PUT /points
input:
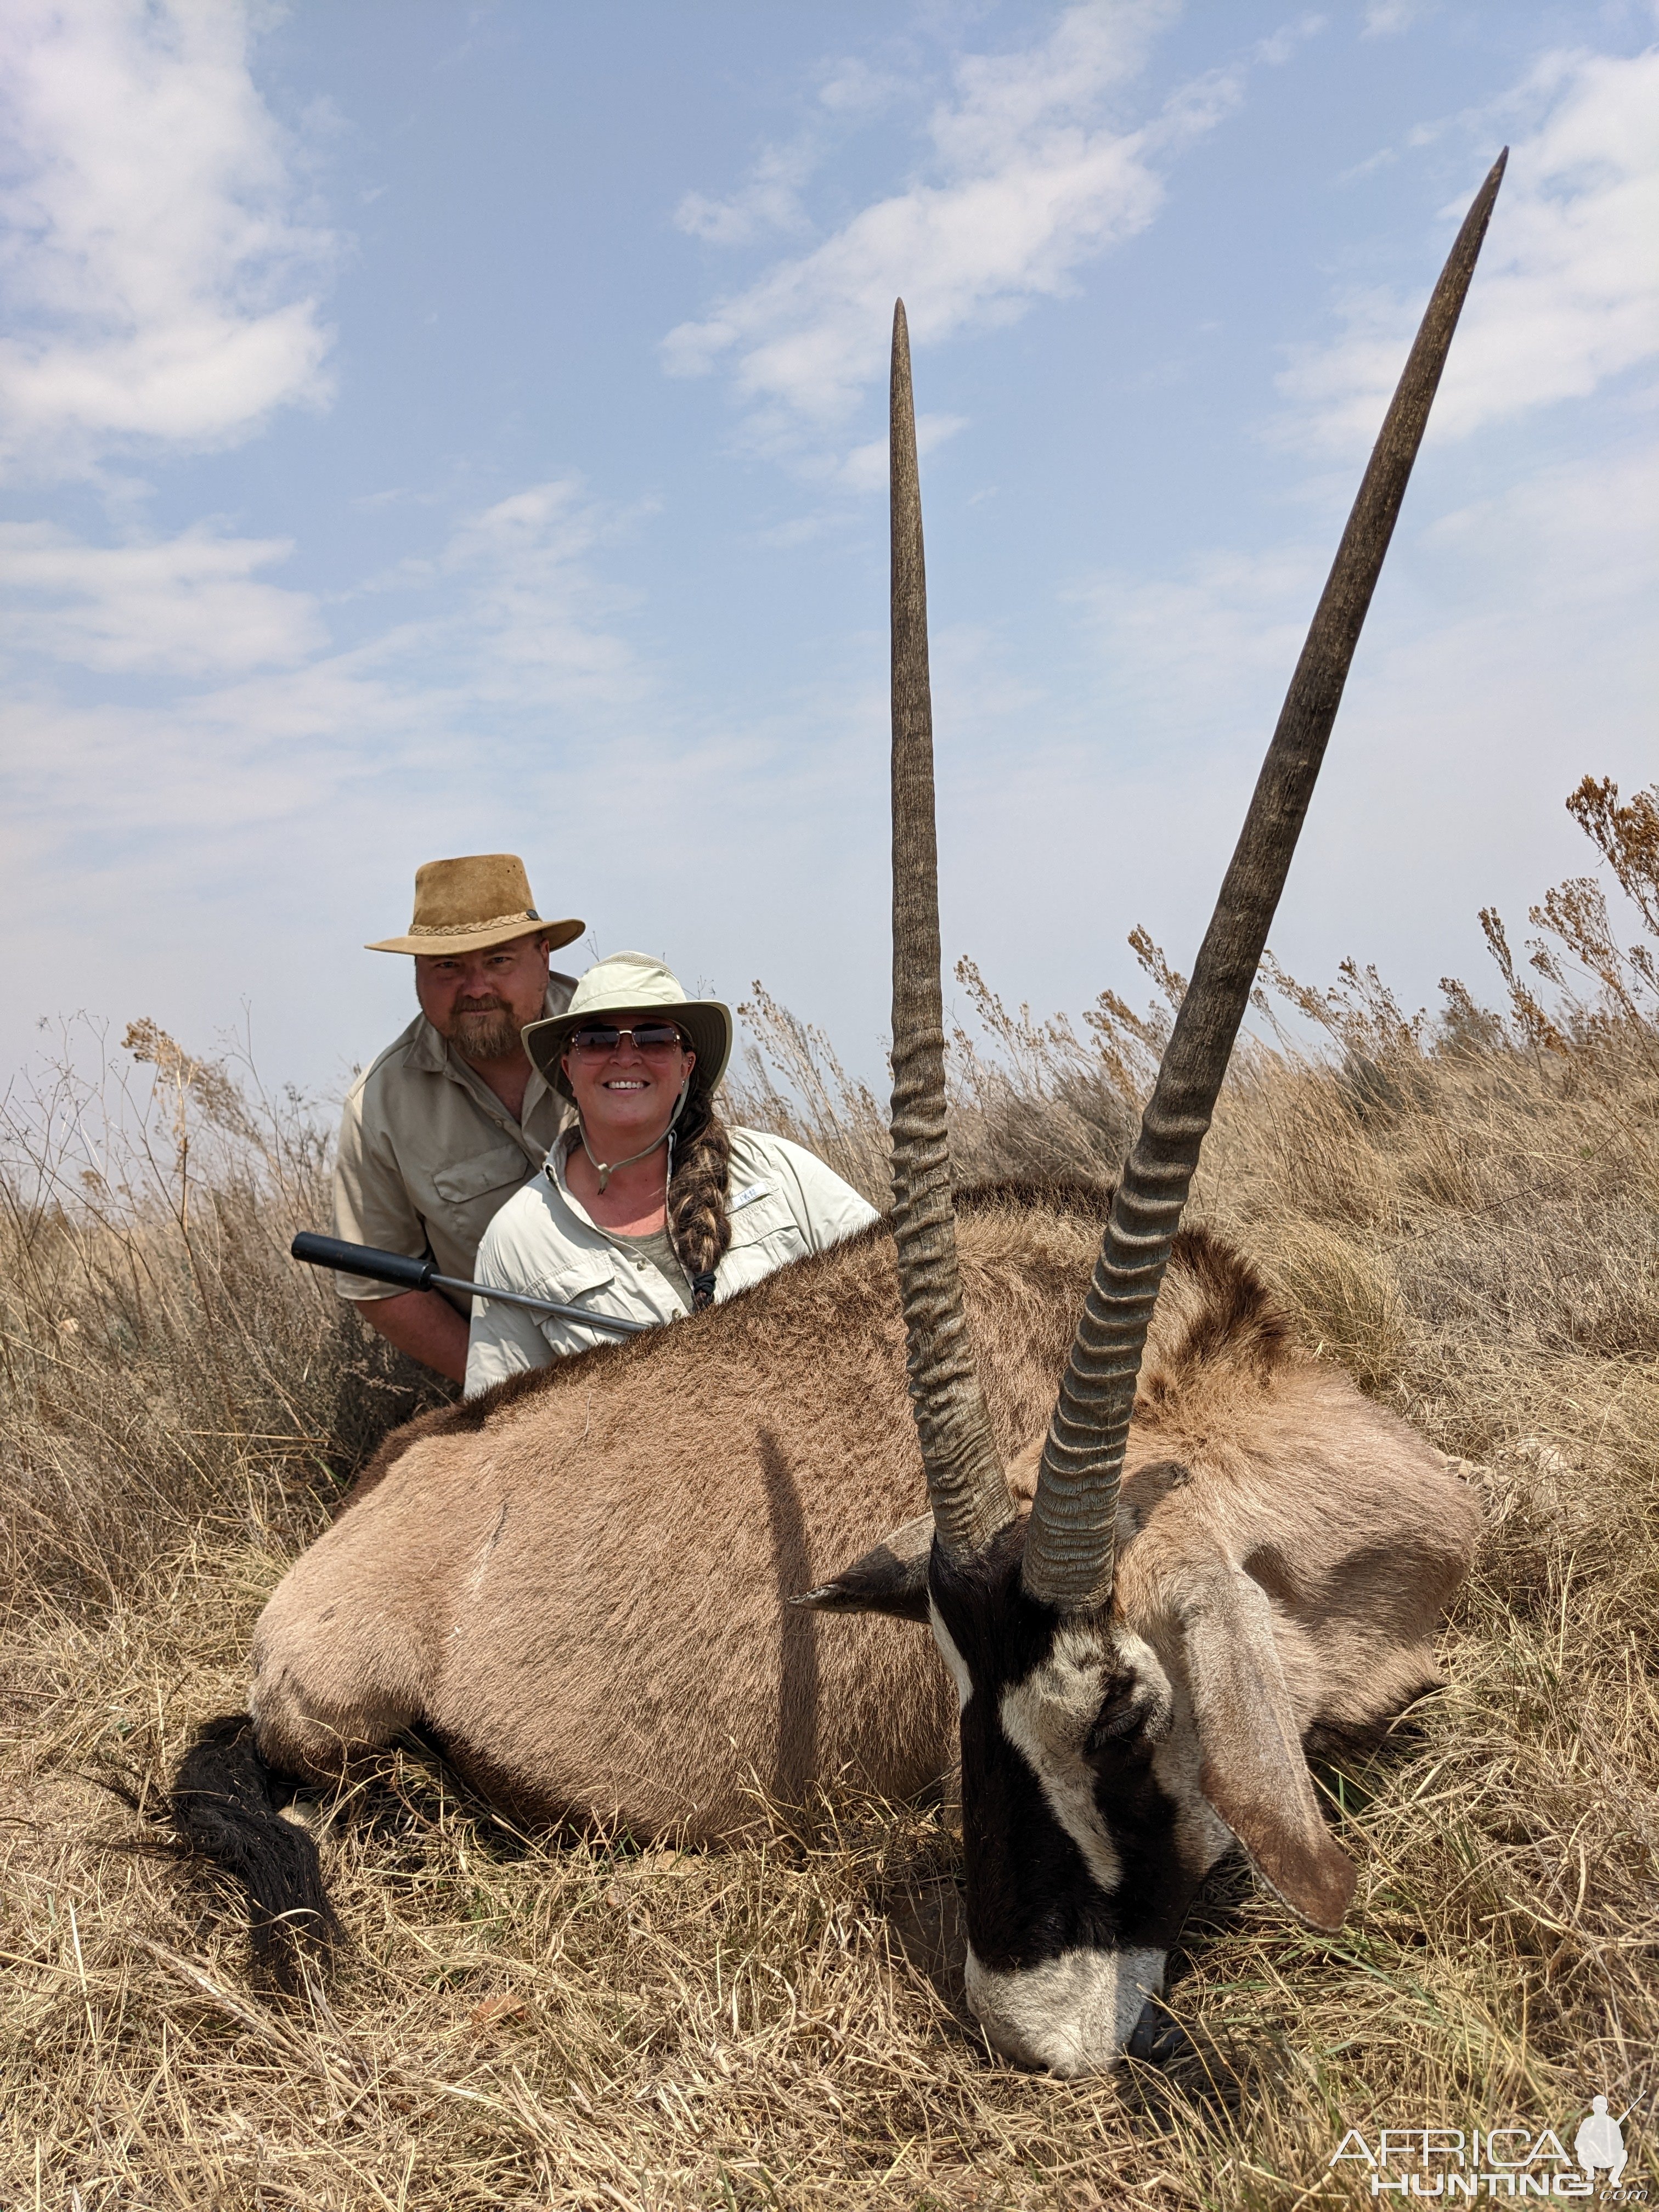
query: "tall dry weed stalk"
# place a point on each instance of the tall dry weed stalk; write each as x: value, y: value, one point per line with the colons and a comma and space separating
x: 167, y: 1368
x: 1463, y: 1209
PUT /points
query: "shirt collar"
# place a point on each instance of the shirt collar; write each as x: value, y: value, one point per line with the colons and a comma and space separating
x: 430, y: 1054
x: 553, y: 1168
x: 427, y: 1050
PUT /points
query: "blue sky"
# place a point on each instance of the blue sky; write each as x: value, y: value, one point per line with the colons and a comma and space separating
x: 430, y: 429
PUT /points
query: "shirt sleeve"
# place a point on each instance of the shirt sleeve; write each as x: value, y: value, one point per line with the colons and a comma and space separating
x: 502, y: 1340
x: 370, y: 1205
x: 825, y: 1208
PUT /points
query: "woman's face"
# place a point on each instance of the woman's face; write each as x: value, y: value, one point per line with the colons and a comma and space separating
x: 627, y: 1089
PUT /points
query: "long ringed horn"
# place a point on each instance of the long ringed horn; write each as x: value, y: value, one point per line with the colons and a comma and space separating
x: 966, y: 1486
x: 1069, y: 1545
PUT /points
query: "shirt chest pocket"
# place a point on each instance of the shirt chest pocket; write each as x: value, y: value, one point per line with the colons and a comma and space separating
x: 581, y: 1280
x: 588, y: 1282
x: 764, y: 1234
x: 500, y: 1170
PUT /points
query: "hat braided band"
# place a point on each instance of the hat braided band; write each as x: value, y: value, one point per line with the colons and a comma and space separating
x: 470, y: 929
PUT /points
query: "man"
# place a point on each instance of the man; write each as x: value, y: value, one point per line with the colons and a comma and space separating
x: 452, y: 1118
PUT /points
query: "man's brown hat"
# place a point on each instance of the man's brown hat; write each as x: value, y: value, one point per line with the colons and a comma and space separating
x: 469, y: 904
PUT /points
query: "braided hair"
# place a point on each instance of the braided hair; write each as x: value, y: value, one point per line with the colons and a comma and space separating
x: 699, y: 1226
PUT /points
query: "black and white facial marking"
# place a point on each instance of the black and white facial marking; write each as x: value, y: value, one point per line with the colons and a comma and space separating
x: 1098, y: 1787
x: 1084, y: 1830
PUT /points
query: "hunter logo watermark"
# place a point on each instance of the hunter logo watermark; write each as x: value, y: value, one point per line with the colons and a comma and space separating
x: 1503, y: 2161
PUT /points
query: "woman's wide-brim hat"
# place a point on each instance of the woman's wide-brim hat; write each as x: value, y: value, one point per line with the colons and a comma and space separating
x: 469, y: 904
x: 633, y: 982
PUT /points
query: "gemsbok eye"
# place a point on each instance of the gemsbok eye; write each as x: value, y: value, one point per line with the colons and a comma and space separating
x: 1126, y: 1709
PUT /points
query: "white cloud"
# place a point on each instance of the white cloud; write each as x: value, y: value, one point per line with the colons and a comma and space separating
x: 1475, y: 602
x: 190, y: 605
x: 1567, y: 292
x: 505, y: 632
x: 534, y: 611
x: 160, y: 284
x: 853, y: 86
x: 1277, y: 48
x: 770, y: 200
x: 525, y: 619
x: 176, y: 836
x: 1031, y: 176
x: 1184, y: 650
x: 1507, y: 655
x: 850, y: 92
x: 1387, y: 19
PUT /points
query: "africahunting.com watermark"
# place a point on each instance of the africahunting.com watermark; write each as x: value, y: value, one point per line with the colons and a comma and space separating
x: 1497, y: 2161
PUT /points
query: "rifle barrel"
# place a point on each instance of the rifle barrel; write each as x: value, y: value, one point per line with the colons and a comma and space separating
x: 423, y: 1275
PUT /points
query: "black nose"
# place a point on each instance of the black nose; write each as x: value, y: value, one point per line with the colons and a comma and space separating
x: 1159, y: 2039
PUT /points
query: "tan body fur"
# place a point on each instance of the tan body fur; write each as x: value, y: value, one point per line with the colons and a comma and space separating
x: 578, y: 1582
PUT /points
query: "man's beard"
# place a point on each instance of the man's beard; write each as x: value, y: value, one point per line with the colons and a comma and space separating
x: 485, y: 1033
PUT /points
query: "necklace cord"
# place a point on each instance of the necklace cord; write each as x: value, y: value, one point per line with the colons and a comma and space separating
x: 702, y: 1285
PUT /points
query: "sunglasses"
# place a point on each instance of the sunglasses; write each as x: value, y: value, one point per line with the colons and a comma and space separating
x: 646, y: 1036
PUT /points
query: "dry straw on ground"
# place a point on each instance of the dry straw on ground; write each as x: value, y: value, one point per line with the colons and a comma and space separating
x: 1464, y: 1212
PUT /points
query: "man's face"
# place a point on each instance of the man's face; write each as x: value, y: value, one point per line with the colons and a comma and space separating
x: 479, y: 1001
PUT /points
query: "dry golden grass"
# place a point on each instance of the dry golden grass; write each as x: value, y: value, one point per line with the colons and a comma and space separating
x: 1467, y: 1216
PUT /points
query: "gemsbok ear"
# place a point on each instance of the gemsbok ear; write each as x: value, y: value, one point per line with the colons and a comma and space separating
x: 1252, y: 1769
x: 892, y: 1578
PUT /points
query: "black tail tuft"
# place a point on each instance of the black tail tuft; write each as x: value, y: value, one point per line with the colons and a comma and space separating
x: 225, y: 1803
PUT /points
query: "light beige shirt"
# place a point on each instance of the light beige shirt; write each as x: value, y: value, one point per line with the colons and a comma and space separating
x: 783, y: 1201
x: 428, y: 1154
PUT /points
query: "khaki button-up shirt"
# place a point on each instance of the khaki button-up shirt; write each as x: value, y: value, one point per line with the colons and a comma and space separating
x: 428, y: 1154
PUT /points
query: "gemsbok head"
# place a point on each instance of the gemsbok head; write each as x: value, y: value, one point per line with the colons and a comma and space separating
x: 1136, y: 1686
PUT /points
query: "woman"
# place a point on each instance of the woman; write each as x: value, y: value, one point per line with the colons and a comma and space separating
x: 651, y: 1206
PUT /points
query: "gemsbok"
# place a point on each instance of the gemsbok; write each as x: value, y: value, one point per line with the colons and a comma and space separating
x: 600, y: 1587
